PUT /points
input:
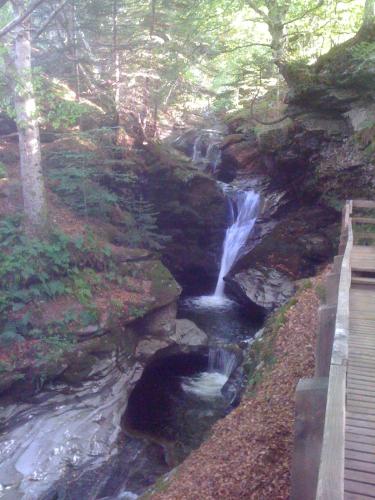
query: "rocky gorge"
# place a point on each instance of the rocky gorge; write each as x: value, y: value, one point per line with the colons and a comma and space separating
x: 89, y: 411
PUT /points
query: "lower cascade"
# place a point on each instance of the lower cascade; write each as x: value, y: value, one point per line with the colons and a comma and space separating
x: 209, y: 384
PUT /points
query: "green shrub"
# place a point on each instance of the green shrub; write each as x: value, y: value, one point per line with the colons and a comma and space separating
x: 35, y: 269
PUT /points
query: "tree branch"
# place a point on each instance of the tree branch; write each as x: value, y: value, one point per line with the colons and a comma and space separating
x: 301, y: 16
x: 259, y: 11
x: 4, y: 31
x: 50, y: 19
x: 225, y: 51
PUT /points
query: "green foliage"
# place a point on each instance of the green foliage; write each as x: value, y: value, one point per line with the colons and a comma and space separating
x: 76, y: 181
x: 35, y: 269
x: 261, y: 354
x: 144, y: 230
x: 93, y: 191
x: 30, y: 268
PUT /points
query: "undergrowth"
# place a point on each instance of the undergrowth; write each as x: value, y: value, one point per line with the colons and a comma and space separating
x: 261, y: 355
x: 101, y: 186
x: 35, y: 270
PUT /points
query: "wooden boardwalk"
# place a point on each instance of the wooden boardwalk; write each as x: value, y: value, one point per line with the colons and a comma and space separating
x: 347, y: 456
x: 359, y: 474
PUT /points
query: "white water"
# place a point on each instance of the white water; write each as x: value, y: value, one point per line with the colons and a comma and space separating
x: 205, y: 385
x: 246, y: 204
x: 206, y: 148
x: 208, y: 385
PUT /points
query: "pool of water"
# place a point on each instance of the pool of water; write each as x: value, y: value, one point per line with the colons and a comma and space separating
x: 224, y: 321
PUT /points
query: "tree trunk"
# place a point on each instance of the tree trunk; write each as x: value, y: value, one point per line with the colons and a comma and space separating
x: 116, y: 55
x: 34, y: 197
x: 369, y: 13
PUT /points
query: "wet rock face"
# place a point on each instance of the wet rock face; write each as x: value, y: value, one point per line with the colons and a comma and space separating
x: 191, y: 212
x: 76, y: 420
x: 301, y: 240
x: 261, y: 288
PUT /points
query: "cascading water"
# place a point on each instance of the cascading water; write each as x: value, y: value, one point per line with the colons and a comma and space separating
x: 245, y: 212
x: 208, y: 384
x: 206, y: 149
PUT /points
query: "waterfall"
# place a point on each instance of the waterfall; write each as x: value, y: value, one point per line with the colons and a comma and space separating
x: 222, y: 361
x: 206, y: 149
x: 208, y: 384
x: 245, y: 210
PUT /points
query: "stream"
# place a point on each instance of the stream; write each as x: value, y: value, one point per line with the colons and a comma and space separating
x: 55, y: 447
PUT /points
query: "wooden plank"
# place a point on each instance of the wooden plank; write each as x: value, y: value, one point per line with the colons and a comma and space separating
x: 357, y: 455
x: 363, y: 382
x: 359, y: 424
x: 331, y: 472
x: 364, y: 398
x: 357, y: 280
x: 360, y: 476
x: 363, y: 431
x: 359, y: 488
x: 359, y: 465
x: 363, y: 220
x: 363, y: 204
x: 354, y: 496
x: 359, y: 415
x: 362, y: 408
x: 364, y: 392
x: 362, y: 355
x: 359, y: 438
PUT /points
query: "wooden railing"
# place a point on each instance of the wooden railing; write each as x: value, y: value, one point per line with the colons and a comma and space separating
x: 331, y: 471
x: 319, y: 441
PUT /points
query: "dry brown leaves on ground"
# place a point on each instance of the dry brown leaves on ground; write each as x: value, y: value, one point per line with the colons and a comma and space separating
x: 249, y: 453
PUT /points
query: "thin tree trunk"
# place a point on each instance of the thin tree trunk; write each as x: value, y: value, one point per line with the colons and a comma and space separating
x: 75, y: 53
x: 34, y: 197
x: 116, y: 55
x: 369, y: 13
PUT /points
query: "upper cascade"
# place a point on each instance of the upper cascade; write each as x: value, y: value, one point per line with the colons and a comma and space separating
x: 244, y: 207
x: 206, y: 149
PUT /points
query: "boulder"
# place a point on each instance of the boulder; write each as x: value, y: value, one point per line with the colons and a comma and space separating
x: 323, y: 125
x: 302, y: 238
x: 361, y: 117
x: 262, y: 287
x: 243, y: 155
x: 274, y: 137
x: 187, y: 333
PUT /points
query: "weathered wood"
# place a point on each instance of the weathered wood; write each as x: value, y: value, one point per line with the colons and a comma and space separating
x: 364, y: 234
x: 331, y: 287
x: 331, y: 471
x: 363, y: 220
x: 359, y: 488
x: 357, y: 280
x: 366, y: 477
x: 325, y: 334
x: 357, y: 465
x: 363, y: 204
x: 311, y: 395
x: 359, y: 438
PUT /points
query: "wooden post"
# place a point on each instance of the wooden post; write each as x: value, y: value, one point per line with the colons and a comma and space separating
x: 324, y: 341
x: 311, y: 395
x: 331, y: 288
